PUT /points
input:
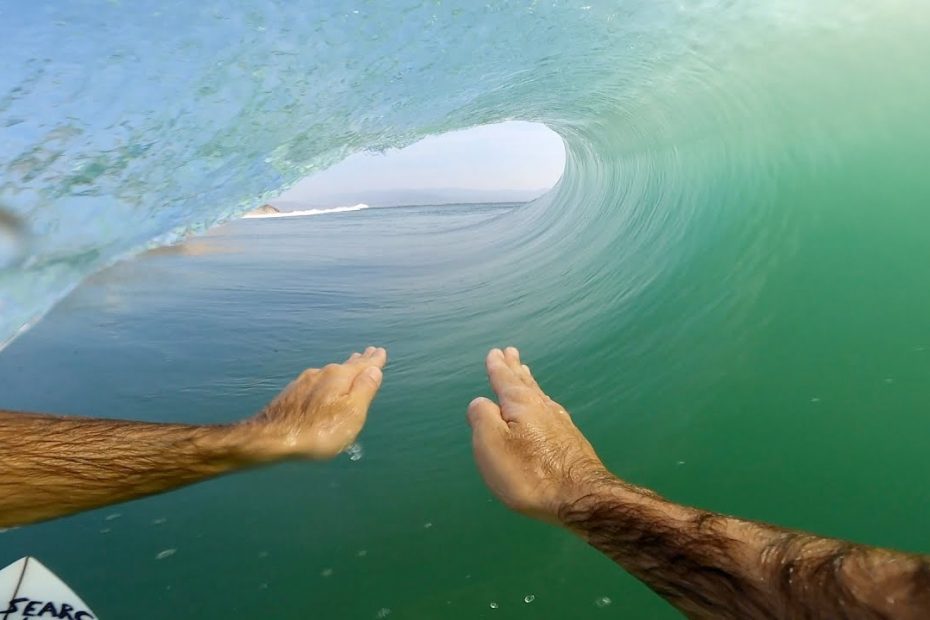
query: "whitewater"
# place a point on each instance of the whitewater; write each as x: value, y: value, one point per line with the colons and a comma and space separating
x: 305, y: 212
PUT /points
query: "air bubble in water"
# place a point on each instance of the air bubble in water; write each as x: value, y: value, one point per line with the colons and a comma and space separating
x: 529, y: 598
x: 493, y: 605
x: 355, y: 451
x: 603, y: 601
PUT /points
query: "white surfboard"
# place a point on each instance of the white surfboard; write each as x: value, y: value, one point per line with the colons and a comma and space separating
x: 29, y: 590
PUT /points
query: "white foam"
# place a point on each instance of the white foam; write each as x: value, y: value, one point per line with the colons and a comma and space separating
x: 306, y: 212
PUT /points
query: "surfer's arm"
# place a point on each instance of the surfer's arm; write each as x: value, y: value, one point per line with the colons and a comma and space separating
x: 537, y: 462
x: 52, y: 466
x: 714, y: 566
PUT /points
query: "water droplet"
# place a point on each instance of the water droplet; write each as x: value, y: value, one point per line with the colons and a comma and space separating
x: 167, y: 553
x: 384, y: 612
x: 493, y: 605
x: 355, y: 451
x: 602, y: 602
x: 529, y: 598
x: 327, y: 572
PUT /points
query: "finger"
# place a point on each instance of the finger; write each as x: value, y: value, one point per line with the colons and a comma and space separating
x: 372, y: 356
x: 308, y: 375
x: 367, y: 383
x: 512, y: 357
x: 378, y: 356
x: 527, y: 375
x: 337, y: 378
x: 521, y: 370
x: 484, y: 414
x: 500, y: 374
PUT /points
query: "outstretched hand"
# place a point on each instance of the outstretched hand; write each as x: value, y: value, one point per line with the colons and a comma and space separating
x: 320, y: 413
x: 529, y: 452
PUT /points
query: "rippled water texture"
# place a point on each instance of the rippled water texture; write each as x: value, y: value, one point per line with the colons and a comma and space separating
x: 126, y: 124
x: 728, y: 287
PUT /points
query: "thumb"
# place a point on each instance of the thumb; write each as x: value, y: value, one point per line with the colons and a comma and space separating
x: 484, y: 413
x: 367, y: 382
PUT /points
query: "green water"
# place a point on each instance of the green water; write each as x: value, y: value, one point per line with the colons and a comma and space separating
x: 728, y: 287
x: 800, y: 398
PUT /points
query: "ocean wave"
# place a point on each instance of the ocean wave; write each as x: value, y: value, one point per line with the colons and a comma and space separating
x: 305, y: 212
x: 685, y: 125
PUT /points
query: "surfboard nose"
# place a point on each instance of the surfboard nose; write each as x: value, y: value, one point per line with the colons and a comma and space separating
x: 28, y: 589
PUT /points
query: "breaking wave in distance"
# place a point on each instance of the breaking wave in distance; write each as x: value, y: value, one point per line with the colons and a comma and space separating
x: 305, y: 212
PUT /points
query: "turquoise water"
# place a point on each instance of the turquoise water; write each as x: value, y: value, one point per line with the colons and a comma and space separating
x: 728, y: 286
x: 799, y: 400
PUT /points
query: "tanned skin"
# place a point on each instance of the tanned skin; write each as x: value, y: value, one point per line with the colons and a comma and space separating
x: 55, y: 466
x: 537, y: 462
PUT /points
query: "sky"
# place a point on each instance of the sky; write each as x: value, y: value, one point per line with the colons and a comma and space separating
x: 504, y: 159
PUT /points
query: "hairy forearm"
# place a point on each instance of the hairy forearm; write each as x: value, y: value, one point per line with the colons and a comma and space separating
x: 714, y: 566
x: 54, y: 466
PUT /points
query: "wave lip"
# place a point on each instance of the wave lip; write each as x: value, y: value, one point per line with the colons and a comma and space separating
x: 305, y: 212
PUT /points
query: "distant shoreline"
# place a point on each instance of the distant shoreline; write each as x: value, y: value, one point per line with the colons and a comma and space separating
x: 302, y: 207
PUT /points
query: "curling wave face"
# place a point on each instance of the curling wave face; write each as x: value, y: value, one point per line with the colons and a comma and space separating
x: 688, y: 126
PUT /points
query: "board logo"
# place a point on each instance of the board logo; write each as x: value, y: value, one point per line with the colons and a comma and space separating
x: 33, y: 591
x: 28, y: 608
